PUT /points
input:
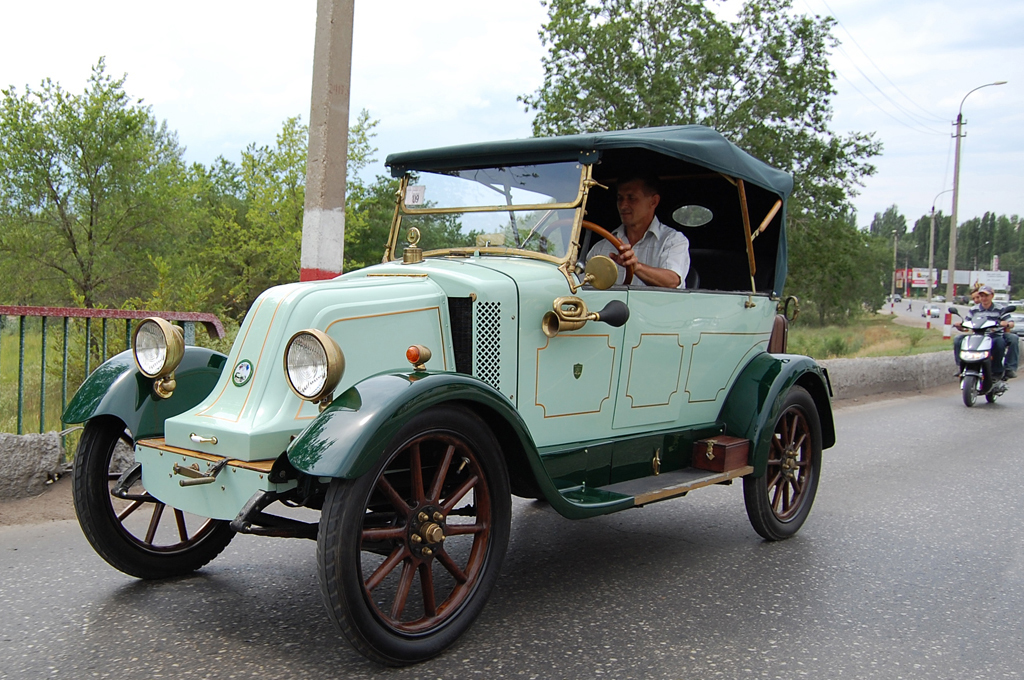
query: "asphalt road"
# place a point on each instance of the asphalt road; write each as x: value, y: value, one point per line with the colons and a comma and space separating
x: 910, y: 566
x: 912, y: 316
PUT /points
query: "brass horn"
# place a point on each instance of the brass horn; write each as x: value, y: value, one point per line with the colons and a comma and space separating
x: 569, y: 314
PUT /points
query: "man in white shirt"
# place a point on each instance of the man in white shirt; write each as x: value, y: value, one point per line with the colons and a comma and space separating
x: 660, y: 255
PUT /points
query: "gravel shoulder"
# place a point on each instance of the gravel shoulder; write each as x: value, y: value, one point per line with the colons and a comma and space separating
x: 53, y: 505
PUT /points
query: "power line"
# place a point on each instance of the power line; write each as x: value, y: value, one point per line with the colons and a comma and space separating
x: 909, y: 115
x: 931, y: 115
x: 921, y: 129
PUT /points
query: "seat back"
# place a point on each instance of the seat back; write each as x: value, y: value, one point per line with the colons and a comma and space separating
x: 692, y: 278
x: 780, y: 335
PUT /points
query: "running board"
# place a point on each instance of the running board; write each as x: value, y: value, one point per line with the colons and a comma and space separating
x: 671, y: 484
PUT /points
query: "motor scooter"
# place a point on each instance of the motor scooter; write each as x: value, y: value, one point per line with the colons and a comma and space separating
x: 975, y: 358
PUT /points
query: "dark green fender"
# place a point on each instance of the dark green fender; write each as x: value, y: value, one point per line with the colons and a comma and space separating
x: 117, y: 388
x: 350, y: 436
x: 755, y: 400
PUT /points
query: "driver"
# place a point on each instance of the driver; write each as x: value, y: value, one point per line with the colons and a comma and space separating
x: 660, y: 255
x: 985, y: 309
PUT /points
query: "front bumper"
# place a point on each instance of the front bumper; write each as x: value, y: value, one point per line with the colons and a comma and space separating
x: 223, y: 498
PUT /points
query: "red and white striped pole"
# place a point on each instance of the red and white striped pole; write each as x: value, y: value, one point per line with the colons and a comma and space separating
x: 947, y: 327
x: 323, y: 222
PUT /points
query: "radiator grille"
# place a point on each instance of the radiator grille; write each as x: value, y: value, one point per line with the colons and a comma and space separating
x: 461, y: 310
x: 488, y: 343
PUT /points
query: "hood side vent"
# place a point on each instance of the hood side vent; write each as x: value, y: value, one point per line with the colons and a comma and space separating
x: 488, y: 343
x: 461, y: 311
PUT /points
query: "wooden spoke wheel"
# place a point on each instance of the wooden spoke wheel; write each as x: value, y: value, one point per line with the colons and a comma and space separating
x: 779, y: 501
x: 138, y: 534
x: 408, y: 552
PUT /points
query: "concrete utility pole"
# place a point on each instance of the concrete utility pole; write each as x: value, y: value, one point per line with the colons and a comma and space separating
x: 892, y: 290
x: 931, y: 249
x: 323, y: 222
x: 951, y: 285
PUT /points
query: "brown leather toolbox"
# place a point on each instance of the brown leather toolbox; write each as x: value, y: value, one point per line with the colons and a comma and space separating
x: 720, y: 454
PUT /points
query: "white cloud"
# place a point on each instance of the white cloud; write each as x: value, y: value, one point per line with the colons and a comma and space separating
x: 226, y: 74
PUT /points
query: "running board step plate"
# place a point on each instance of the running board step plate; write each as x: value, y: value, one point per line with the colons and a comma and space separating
x: 670, y: 484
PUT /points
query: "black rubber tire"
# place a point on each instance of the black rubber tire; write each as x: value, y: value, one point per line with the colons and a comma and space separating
x: 346, y: 563
x: 115, y: 542
x: 778, y: 517
x: 970, y: 390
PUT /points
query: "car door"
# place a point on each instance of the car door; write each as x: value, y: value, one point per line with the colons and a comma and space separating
x: 681, y: 352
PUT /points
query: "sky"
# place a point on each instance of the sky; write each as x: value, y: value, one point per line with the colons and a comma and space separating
x: 225, y: 74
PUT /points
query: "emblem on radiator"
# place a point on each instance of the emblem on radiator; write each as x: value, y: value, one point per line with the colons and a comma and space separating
x: 243, y: 371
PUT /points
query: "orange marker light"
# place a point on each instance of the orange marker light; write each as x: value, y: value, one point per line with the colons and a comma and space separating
x: 418, y: 355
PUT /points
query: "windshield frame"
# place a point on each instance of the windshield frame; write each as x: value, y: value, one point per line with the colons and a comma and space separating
x: 391, y: 252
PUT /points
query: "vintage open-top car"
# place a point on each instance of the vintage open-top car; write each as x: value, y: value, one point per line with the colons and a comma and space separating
x: 486, y: 356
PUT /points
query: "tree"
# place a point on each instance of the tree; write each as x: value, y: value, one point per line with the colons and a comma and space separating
x: 857, y: 275
x: 921, y: 237
x: 249, y: 217
x: 884, y: 224
x: 369, y: 208
x: 89, y: 185
x: 763, y: 81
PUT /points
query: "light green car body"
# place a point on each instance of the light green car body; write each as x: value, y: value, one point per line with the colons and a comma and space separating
x: 668, y: 371
x: 578, y: 415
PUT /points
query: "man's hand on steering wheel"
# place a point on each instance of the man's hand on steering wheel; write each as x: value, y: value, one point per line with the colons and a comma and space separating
x: 625, y: 257
x: 604, y: 233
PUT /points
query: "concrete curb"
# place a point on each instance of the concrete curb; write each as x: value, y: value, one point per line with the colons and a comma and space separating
x: 28, y: 462
x: 875, y: 375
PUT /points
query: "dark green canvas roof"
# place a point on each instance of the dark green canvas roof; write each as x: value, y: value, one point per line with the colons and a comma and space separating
x: 693, y: 143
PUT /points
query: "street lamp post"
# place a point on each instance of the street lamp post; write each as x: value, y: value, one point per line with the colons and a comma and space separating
x: 931, y: 249
x: 892, y: 292
x: 950, y: 285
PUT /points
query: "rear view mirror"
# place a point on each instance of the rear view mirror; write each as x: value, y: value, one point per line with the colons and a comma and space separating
x: 601, y: 272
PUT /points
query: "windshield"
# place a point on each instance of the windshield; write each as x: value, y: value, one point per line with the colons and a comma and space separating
x: 527, y: 208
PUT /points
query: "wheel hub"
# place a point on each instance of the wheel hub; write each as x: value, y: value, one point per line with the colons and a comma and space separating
x: 789, y: 464
x: 426, y: 531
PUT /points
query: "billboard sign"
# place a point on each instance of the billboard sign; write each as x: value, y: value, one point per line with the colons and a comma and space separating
x: 998, y: 280
x: 919, y: 277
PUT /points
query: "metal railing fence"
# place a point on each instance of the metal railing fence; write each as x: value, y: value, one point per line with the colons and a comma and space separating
x: 79, y: 344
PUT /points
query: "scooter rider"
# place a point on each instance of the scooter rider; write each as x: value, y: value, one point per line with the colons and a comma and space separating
x: 985, y: 309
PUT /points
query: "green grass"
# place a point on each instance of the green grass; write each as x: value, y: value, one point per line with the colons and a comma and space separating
x: 31, y: 395
x: 870, y: 336
x: 32, y: 370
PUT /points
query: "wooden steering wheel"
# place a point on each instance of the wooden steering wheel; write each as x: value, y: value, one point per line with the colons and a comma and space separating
x: 604, y: 233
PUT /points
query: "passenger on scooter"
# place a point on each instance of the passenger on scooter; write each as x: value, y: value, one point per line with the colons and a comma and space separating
x: 1012, y: 342
x: 985, y: 309
x: 1012, y: 358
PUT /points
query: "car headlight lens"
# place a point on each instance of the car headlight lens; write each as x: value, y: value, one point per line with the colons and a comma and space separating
x: 158, y: 347
x: 313, y: 364
x: 973, y: 356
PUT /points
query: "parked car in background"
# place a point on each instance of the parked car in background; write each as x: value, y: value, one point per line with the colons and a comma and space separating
x: 939, y: 298
x: 961, y: 300
x: 1018, y: 323
x: 931, y: 311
